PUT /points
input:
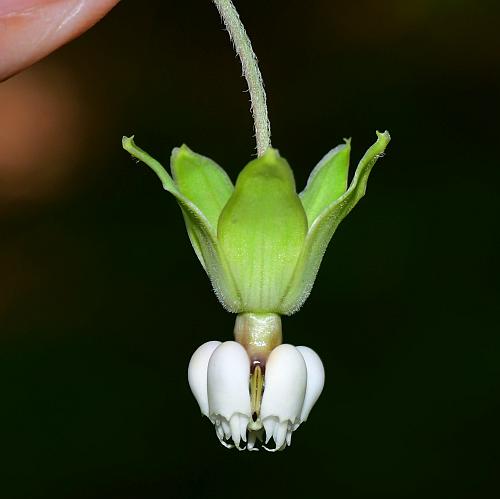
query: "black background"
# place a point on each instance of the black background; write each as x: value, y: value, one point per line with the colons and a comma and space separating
x: 102, y: 300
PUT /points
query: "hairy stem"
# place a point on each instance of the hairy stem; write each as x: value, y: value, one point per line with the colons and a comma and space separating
x: 251, y: 72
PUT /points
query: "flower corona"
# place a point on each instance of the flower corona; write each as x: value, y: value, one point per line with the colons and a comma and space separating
x: 255, y: 399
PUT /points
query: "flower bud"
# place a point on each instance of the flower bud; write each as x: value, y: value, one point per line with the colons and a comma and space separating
x: 284, y: 392
x: 197, y: 373
x: 228, y: 392
x: 315, y: 380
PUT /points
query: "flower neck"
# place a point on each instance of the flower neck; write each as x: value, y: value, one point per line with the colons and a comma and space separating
x: 259, y: 334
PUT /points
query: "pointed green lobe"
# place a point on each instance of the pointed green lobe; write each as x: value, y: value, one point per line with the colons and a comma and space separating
x: 202, y: 181
x: 205, y: 184
x: 202, y: 232
x: 327, y: 182
x: 321, y: 231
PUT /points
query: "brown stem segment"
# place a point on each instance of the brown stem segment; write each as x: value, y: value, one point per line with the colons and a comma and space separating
x: 259, y: 334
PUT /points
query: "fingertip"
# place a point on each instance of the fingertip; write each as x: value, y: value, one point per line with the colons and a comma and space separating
x: 32, y: 29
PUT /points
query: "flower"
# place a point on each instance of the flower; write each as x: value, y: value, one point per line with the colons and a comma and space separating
x: 261, y: 245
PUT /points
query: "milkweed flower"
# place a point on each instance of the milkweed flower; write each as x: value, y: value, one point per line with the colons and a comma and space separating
x: 261, y: 245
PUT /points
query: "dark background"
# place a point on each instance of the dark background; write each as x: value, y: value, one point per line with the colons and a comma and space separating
x: 102, y: 300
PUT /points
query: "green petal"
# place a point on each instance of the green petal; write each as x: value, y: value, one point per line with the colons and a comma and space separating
x: 201, y: 232
x: 327, y: 182
x: 324, y: 226
x: 261, y: 231
x: 202, y: 181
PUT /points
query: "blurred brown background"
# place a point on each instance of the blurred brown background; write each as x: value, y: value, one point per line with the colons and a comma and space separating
x: 102, y: 300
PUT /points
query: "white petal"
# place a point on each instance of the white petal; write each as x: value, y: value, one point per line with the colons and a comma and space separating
x: 252, y: 436
x: 225, y: 444
x: 197, y: 373
x: 243, y: 428
x: 251, y: 440
x: 219, y: 430
x: 234, y: 423
x: 280, y: 431
x: 315, y: 380
x: 269, y: 424
x: 226, y: 428
x: 285, y: 385
x: 228, y: 378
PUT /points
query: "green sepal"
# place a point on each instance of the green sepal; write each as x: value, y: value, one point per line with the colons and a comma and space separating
x: 321, y: 231
x: 202, y: 181
x: 327, y: 182
x: 202, y: 233
x: 262, y: 230
x: 205, y: 184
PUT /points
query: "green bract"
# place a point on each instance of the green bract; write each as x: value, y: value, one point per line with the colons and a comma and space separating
x: 260, y: 243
